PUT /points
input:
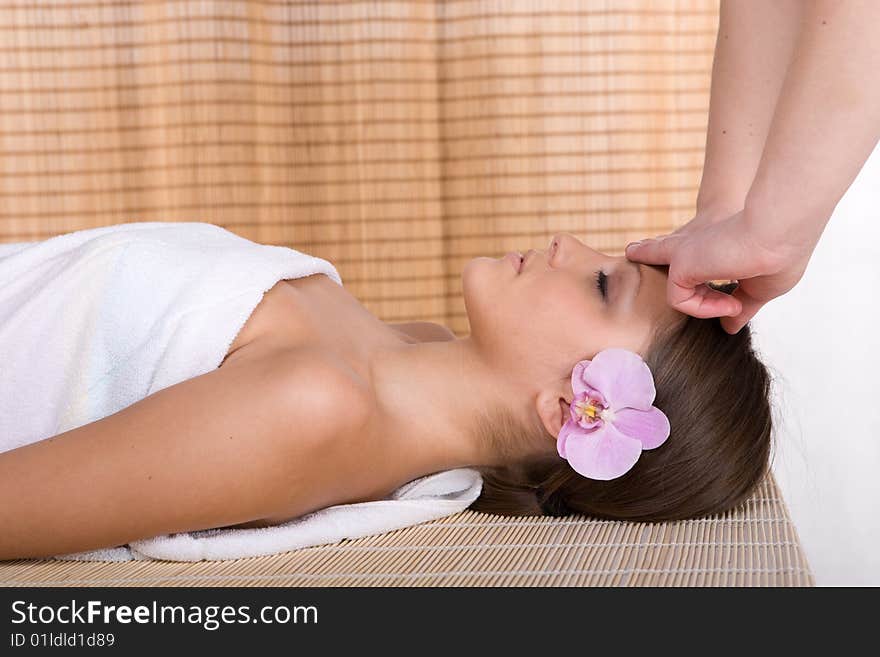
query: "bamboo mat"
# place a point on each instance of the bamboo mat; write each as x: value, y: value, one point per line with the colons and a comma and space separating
x: 396, y: 140
x: 755, y: 545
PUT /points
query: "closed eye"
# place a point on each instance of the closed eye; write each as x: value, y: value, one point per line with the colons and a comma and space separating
x: 602, y: 283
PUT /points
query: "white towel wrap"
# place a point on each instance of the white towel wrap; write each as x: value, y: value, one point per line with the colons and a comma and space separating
x: 95, y: 320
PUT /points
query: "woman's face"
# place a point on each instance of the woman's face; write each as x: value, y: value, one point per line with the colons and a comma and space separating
x: 539, y: 321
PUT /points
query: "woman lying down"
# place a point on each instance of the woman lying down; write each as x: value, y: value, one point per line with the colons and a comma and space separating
x: 150, y: 386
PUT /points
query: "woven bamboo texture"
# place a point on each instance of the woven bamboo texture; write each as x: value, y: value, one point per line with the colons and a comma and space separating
x: 397, y: 140
x: 754, y: 545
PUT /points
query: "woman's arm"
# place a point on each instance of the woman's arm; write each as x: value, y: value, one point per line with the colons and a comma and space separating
x: 753, y: 48
x: 223, y: 448
x: 826, y: 124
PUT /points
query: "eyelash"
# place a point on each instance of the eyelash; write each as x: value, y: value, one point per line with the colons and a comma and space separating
x: 602, y: 283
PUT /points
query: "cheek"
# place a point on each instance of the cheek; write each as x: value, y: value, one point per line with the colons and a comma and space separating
x: 545, y: 316
x: 549, y: 311
x: 566, y: 316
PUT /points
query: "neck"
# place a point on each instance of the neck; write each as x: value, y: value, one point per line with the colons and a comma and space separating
x: 429, y: 395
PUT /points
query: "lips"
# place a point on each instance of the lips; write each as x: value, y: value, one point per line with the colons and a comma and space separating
x: 515, y: 260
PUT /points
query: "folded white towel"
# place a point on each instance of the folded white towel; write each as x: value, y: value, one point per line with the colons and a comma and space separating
x: 95, y: 320
x: 428, y: 498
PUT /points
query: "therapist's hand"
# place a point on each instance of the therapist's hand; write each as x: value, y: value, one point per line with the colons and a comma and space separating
x: 711, y: 248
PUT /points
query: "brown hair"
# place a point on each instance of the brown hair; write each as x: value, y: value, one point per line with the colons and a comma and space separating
x: 715, y: 392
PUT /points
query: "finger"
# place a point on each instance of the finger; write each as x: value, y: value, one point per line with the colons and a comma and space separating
x: 701, y: 301
x: 652, y: 251
x: 734, y: 323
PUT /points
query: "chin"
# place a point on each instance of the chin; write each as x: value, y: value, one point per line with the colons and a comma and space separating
x: 479, y: 285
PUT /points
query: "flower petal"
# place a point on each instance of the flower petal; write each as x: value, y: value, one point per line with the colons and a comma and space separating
x: 577, y: 380
x: 569, y: 428
x: 622, y: 377
x: 651, y: 427
x: 603, y: 454
x: 572, y: 428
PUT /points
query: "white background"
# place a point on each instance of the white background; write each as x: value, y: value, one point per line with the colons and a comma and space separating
x: 821, y: 343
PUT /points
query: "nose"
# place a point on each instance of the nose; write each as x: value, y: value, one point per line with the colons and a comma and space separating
x: 563, y: 244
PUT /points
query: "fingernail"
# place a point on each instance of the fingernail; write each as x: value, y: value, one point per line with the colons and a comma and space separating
x: 632, y: 244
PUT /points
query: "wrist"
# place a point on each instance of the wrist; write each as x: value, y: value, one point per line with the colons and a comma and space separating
x: 717, y: 212
x: 718, y: 206
x: 778, y: 227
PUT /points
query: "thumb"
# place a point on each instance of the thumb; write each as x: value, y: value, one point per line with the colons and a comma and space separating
x: 654, y: 251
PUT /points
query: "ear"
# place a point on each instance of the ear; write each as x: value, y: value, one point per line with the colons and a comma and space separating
x: 553, y: 406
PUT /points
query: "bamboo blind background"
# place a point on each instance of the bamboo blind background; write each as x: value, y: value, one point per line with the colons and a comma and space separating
x: 395, y: 139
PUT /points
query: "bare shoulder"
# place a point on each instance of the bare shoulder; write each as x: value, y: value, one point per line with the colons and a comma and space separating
x: 319, y: 407
x: 311, y: 384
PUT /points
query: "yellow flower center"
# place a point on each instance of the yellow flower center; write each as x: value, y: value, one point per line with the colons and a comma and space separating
x: 586, y: 408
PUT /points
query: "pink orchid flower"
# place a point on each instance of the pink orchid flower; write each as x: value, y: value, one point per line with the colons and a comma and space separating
x: 612, y: 416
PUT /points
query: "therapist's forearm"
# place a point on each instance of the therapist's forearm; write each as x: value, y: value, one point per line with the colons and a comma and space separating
x: 753, y: 48
x: 826, y: 123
